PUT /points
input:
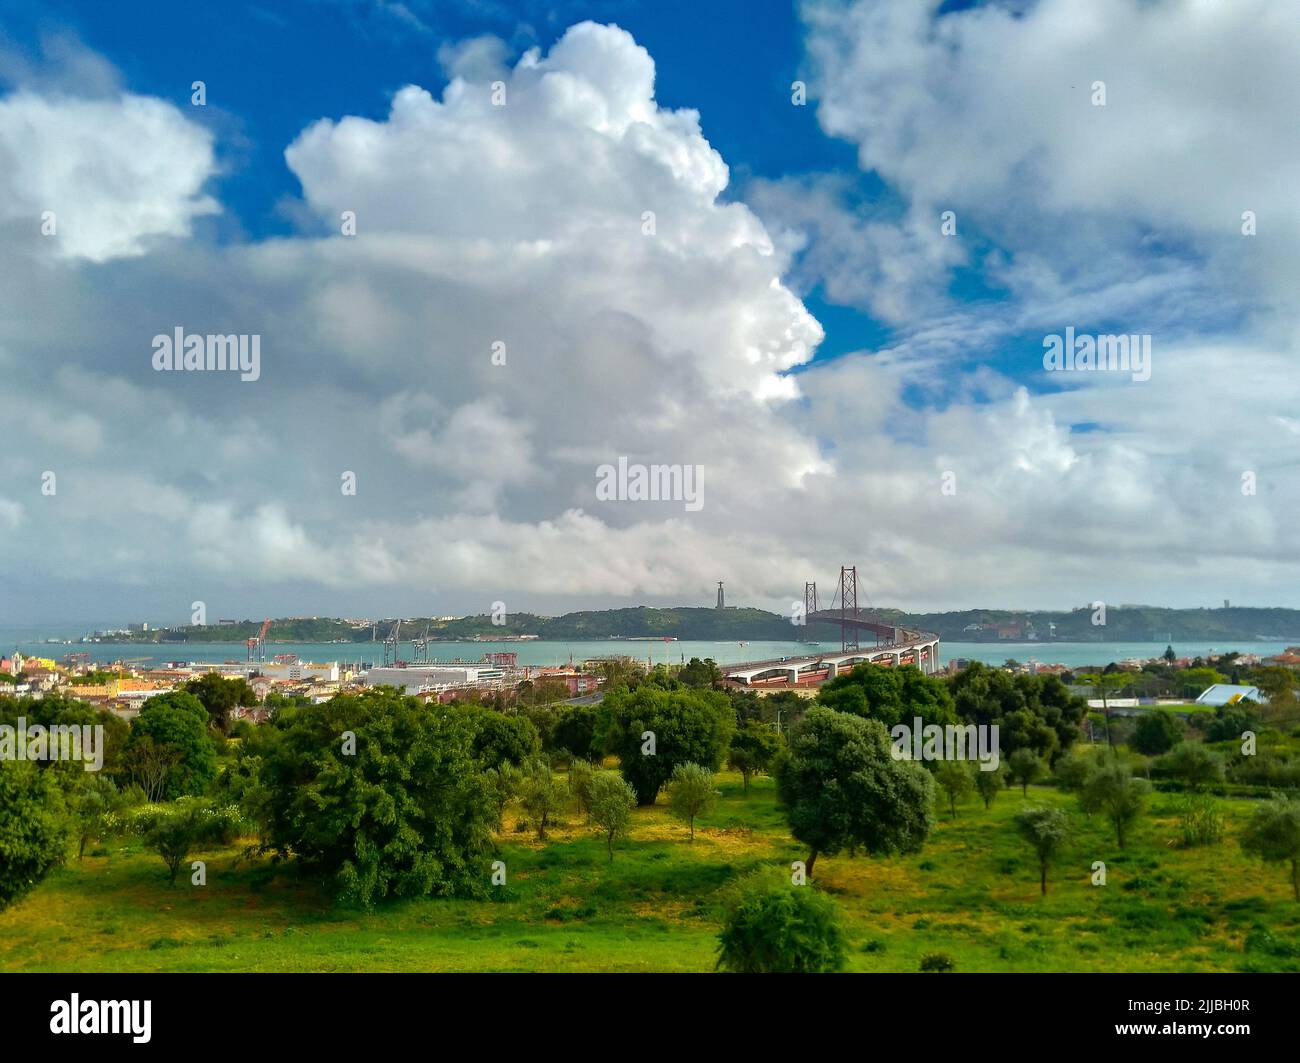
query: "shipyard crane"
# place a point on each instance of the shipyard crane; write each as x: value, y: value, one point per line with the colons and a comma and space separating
x: 257, y: 646
x: 421, y: 648
x: 390, y: 646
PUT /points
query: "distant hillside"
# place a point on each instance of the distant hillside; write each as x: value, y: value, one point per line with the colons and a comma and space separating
x: 734, y: 624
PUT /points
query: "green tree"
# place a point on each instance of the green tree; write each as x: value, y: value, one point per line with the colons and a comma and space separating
x: 540, y: 795
x: 1046, y: 830
x: 500, y: 784
x: 381, y: 794
x: 1231, y: 721
x: 576, y: 732
x: 1273, y: 835
x: 954, y: 779
x: 781, y: 930
x: 1157, y: 731
x: 93, y: 802
x: 1112, y: 790
x: 581, y: 773
x: 498, y: 737
x: 988, y: 783
x: 697, y: 673
x: 176, y: 830
x: 842, y: 787
x: 890, y: 695
x: 1191, y: 764
x: 1025, y: 767
x: 220, y: 695
x: 175, y: 722
x: 1072, y: 771
x: 691, y: 793
x: 653, y: 730
x: 753, y: 748
x: 612, y: 801
x: 1031, y: 711
x: 35, y: 830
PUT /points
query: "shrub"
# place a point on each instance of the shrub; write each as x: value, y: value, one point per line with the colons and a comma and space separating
x: 781, y: 929
x: 938, y: 962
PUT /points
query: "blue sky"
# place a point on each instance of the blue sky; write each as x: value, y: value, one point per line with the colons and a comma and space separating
x: 808, y: 335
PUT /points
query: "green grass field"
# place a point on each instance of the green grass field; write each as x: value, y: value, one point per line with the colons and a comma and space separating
x: 972, y: 894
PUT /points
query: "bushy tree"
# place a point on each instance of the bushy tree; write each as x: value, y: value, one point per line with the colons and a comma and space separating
x: 776, y: 929
x: 988, y: 783
x: 1112, y: 790
x: 1025, y: 766
x: 35, y: 830
x: 1231, y: 721
x: 1191, y: 764
x: 500, y: 738
x: 1072, y: 771
x: 697, y: 673
x: 1036, y: 712
x: 1156, y: 732
x: 1046, y: 830
x: 57, y: 710
x: 381, y: 794
x: 890, y: 695
x: 954, y: 779
x: 581, y: 773
x: 93, y: 804
x: 220, y: 695
x: 576, y: 732
x: 500, y: 785
x: 842, y: 787
x: 686, y: 726
x: 540, y: 795
x: 691, y: 793
x: 612, y: 800
x: 173, y: 727
x: 1273, y: 835
x: 188, y: 825
x: 753, y: 748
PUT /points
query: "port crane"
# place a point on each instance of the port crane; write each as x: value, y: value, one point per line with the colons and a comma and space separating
x: 257, y: 646
x: 390, y: 646
x: 420, y: 646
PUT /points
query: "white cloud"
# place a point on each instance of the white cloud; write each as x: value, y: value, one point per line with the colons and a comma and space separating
x: 523, y: 224
x: 113, y: 172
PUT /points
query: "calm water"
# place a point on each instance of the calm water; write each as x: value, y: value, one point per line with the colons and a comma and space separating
x: 1071, y: 654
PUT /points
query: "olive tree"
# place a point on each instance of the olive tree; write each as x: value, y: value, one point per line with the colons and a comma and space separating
x: 954, y: 779
x: 1046, y: 830
x: 691, y: 793
x: 1273, y: 834
x: 611, y: 802
x: 1112, y: 790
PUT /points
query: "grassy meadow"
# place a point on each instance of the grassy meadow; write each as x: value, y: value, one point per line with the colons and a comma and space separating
x: 972, y: 894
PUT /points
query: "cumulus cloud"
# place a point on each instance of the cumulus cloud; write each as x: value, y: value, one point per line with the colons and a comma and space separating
x: 542, y: 287
x: 99, y: 177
